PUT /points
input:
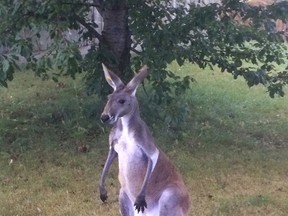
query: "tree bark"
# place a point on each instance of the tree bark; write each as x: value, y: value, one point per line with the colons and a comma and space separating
x: 116, y: 36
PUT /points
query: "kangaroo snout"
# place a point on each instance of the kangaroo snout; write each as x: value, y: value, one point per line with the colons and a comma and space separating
x: 105, y: 118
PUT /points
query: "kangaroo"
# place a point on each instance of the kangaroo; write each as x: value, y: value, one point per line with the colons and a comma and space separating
x: 150, y: 184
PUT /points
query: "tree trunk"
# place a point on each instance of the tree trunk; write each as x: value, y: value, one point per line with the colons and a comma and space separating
x: 116, y: 36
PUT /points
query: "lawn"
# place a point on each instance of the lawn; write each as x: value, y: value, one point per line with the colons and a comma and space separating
x: 230, y: 145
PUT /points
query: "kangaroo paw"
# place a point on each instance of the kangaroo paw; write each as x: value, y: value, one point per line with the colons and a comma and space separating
x: 140, y: 204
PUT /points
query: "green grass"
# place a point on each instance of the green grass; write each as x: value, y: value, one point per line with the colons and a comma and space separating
x: 231, y: 149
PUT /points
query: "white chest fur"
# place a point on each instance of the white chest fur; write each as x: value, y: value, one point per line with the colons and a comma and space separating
x: 125, y: 142
x: 132, y: 154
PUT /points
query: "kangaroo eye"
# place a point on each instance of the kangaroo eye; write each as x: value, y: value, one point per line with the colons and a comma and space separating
x: 121, y: 101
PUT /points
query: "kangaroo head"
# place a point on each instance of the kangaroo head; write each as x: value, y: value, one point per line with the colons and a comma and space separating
x: 122, y: 101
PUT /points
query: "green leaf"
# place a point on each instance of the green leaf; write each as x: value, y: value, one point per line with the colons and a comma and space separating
x: 3, y: 83
x: 238, y: 63
x: 5, y: 65
x: 54, y: 79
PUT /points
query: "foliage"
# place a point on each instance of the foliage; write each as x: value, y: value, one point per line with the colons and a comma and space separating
x: 209, y: 36
x: 212, y: 35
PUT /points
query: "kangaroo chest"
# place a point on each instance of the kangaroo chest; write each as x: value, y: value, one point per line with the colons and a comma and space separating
x: 132, y: 160
x: 127, y: 147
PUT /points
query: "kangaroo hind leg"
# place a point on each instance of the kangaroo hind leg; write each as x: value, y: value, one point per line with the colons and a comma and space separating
x: 126, y: 206
x: 170, y: 203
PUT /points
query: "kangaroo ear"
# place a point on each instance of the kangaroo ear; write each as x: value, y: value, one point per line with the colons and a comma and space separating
x: 137, y: 79
x: 113, y: 80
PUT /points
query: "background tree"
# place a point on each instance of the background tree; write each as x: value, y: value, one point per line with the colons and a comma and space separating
x: 225, y: 34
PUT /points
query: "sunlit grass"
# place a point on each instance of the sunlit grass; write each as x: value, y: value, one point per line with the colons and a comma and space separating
x: 232, y: 150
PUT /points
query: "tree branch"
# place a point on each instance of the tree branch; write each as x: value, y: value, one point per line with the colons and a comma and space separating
x: 88, y: 27
x: 100, y: 6
x: 81, y: 4
x: 136, y: 51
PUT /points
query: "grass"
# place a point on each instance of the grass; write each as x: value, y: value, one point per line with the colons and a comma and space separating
x: 231, y: 149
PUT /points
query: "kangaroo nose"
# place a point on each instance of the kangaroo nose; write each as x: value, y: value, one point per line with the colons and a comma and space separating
x: 104, y: 118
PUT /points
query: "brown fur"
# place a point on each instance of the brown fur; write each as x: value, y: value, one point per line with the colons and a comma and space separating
x: 148, y: 179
